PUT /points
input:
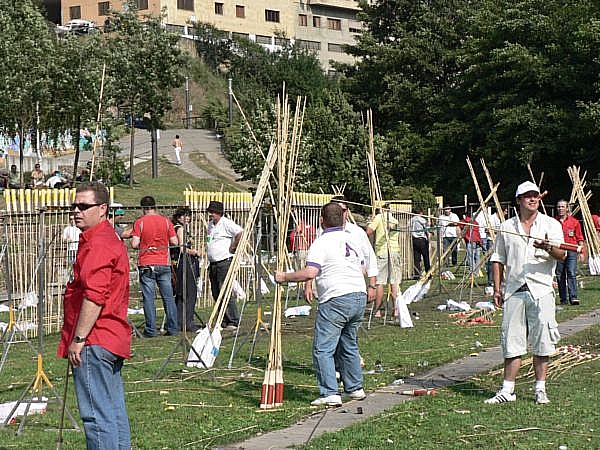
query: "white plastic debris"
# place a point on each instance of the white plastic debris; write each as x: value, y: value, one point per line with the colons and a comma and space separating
x: 488, y: 306
x: 303, y: 310
x: 456, y: 306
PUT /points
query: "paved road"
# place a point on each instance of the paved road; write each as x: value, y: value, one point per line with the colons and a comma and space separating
x: 194, y: 141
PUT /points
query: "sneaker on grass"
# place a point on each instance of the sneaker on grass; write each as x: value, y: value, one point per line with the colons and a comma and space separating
x: 359, y: 394
x: 501, y: 397
x: 541, y: 398
x: 330, y: 400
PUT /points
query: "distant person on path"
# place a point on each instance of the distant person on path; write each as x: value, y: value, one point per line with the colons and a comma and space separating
x: 472, y: 238
x: 336, y: 261
x: 524, y: 253
x: 96, y: 336
x: 420, y: 243
x: 152, y: 234
x: 14, y: 177
x: 178, y: 146
x: 386, y: 230
x: 448, y: 222
x: 223, y: 238
x: 566, y: 271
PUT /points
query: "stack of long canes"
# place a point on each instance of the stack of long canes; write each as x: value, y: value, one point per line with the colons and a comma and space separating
x: 205, y: 347
x: 593, y: 242
x: 287, y: 156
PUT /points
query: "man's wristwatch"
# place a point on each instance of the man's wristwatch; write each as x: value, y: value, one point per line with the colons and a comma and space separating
x: 372, y: 287
x: 79, y: 339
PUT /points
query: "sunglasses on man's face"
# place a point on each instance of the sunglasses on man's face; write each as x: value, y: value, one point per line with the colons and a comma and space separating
x: 84, y: 206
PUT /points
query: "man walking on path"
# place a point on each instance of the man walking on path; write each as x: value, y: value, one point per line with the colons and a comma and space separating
x: 523, y: 251
x: 152, y: 234
x: 566, y: 272
x: 336, y: 261
x: 178, y: 146
x: 96, y: 336
x: 223, y: 238
x: 449, y: 231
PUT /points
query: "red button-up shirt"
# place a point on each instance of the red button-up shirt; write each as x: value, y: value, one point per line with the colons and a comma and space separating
x: 571, y: 229
x: 101, y: 275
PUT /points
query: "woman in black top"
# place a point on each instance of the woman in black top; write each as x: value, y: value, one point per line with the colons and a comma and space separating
x: 186, y: 291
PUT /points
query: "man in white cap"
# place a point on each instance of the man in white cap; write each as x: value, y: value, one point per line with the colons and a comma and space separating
x: 526, y: 252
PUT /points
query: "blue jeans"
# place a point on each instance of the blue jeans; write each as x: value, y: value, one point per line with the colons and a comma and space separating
x: 149, y: 277
x: 335, y: 343
x: 101, y: 399
x: 448, y: 241
x: 472, y: 255
x: 566, y: 275
x: 486, y: 244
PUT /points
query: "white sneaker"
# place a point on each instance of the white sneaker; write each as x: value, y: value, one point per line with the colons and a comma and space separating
x: 541, y: 398
x: 501, y: 397
x: 330, y: 400
x: 359, y: 394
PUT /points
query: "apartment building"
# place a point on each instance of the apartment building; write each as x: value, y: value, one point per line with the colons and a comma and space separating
x: 323, y: 26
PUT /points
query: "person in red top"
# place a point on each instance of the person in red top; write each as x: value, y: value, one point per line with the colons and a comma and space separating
x: 472, y: 240
x: 566, y: 271
x: 596, y: 219
x: 96, y: 336
x: 301, y: 238
x: 152, y: 234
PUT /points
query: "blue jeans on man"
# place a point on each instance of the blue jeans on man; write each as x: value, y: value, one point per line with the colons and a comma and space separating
x: 101, y: 399
x: 335, y: 343
x: 472, y: 256
x: 150, y: 276
x: 448, y: 241
x: 566, y: 275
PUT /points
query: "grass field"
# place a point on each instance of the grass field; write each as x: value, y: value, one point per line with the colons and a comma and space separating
x: 192, y: 408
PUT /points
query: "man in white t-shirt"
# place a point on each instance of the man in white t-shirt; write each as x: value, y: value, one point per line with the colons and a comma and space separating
x: 449, y: 232
x: 336, y: 261
x: 223, y: 238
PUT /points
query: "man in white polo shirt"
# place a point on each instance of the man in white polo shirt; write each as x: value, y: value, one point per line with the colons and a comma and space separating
x: 524, y: 252
x: 336, y: 261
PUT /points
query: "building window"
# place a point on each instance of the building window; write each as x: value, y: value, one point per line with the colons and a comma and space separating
x: 240, y: 11
x: 260, y: 39
x: 142, y: 4
x: 316, y: 22
x: 219, y: 9
x: 354, y: 26
x: 335, y: 48
x: 239, y: 36
x: 271, y: 16
x: 281, y: 41
x: 334, y: 24
x: 103, y: 8
x: 188, y: 5
x: 75, y: 12
x: 309, y: 45
x: 302, y: 20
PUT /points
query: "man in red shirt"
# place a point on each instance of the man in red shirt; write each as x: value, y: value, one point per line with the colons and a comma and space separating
x: 152, y: 234
x: 96, y: 336
x: 472, y: 238
x: 566, y: 271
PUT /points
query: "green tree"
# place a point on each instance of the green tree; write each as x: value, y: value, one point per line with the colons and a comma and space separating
x: 145, y: 64
x: 27, y: 65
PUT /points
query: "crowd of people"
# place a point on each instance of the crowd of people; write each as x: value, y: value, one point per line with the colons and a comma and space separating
x: 342, y: 265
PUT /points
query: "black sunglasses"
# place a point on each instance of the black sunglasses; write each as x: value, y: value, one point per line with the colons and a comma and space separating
x: 83, y: 206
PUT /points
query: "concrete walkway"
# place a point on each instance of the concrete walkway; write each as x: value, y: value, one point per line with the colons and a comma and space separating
x: 385, y: 398
x: 197, y: 141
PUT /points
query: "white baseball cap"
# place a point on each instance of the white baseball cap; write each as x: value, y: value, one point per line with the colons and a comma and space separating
x: 527, y: 186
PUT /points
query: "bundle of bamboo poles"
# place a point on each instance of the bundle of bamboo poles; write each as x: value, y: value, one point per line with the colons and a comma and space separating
x: 287, y: 156
x: 593, y: 242
x: 205, y: 347
x: 565, y: 358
